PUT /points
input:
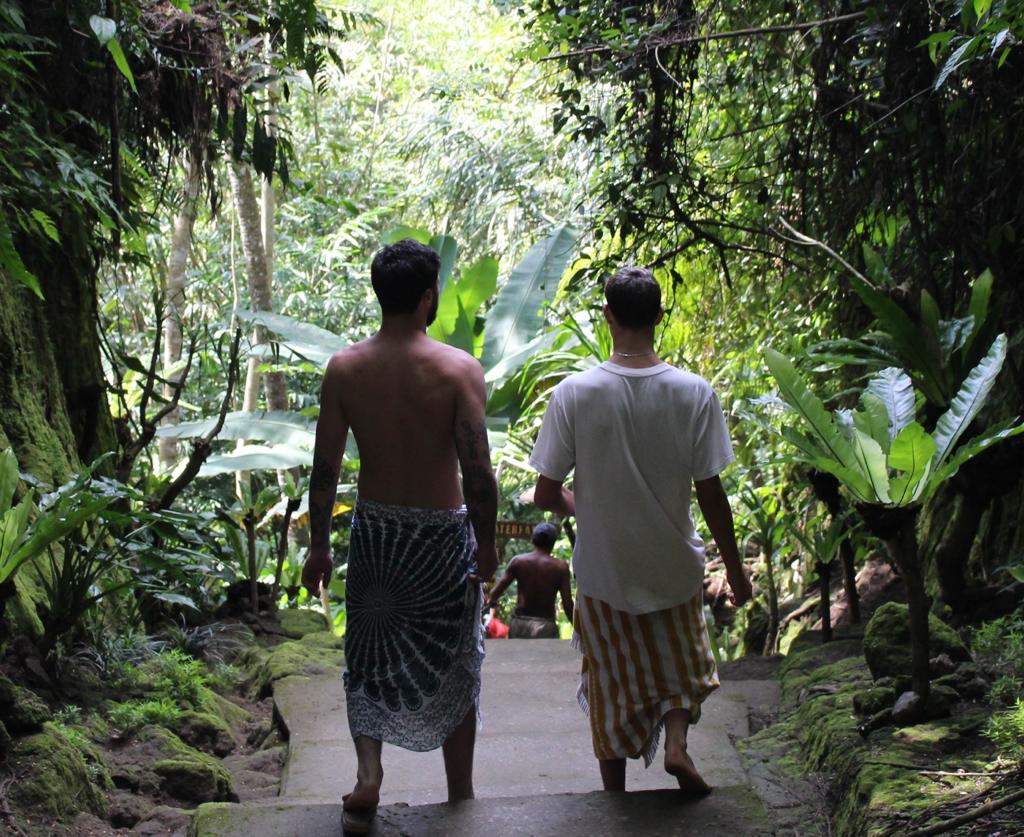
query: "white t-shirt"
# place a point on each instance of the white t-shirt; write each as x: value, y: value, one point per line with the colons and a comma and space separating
x: 637, y: 438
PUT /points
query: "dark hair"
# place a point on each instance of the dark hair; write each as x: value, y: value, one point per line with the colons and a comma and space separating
x: 545, y: 535
x: 401, y: 273
x: 634, y: 296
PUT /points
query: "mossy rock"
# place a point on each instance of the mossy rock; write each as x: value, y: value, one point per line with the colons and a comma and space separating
x: 264, y: 667
x: 297, y: 623
x: 185, y: 773
x: 21, y: 609
x: 870, y: 702
x: 205, y: 731
x: 5, y: 739
x: 821, y: 667
x: 54, y: 777
x: 323, y: 639
x: 20, y: 709
x: 215, y: 704
x: 887, y: 641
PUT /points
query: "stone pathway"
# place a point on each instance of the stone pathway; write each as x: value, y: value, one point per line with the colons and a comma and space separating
x: 535, y: 772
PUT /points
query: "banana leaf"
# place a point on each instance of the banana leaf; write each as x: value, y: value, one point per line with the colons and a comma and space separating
x: 893, y: 387
x: 276, y: 427
x: 257, y: 458
x: 516, y: 318
x: 304, y: 339
x: 968, y: 402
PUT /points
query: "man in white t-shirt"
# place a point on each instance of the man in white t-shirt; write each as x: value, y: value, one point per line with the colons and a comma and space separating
x: 639, y: 432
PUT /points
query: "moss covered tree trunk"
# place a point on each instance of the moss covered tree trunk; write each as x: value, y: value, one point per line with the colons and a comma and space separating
x: 53, y: 405
x: 902, y: 547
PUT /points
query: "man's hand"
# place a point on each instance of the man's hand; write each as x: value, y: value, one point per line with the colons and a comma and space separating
x: 741, y: 590
x: 486, y: 563
x: 317, y: 571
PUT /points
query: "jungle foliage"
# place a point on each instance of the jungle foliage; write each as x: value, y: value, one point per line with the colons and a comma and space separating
x: 835, y: 190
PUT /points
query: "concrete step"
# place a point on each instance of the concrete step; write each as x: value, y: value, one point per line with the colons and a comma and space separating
x: 535, y: 739
x: 735, y: 811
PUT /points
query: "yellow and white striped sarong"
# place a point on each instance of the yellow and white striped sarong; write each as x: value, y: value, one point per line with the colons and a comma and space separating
x: 638, y: 666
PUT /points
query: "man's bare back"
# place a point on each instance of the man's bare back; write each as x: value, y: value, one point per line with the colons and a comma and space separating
x: 401, y: 399
x: 539, y: 579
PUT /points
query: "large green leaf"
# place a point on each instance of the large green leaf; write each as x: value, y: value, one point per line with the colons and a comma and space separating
x: 257, y: 458
x: 969, y: 400
x: 819, y: 423
x: 11, y: 263
x: 871, y: 462
x: 8, y: 478
x: 893, y: 388
x: 907, y: 339
x: 516, y: 317
x: 477, y: 284
x: 981, y: 294
x: 511, y: 363
x: 972, y: 448
x: 448, y: 249
x: 52, y: 524
x: 13, y: 524
x: 276, y: 427
x: 304, y: 339
x: 873, y: 419
x: 402, y: 231
x: 911, y: 452
x: 461, y: 300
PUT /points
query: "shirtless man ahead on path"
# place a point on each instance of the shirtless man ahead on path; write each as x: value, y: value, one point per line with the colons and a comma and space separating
x: 416, y: 408
x: 539, y: 578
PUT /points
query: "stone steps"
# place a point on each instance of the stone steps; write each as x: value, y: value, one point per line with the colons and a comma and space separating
x: 730, y: 810
x: 534, y: 770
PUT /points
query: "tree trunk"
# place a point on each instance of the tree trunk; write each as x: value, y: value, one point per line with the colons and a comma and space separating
x: 258, y: 272
x: 250, y: 546
x: 902, y: 547
x: 847, y: 557
x: 53, y: 405
x: 177, y: 265
x: 825, y: 594
x: 773, y: 607
x: 955, y: 548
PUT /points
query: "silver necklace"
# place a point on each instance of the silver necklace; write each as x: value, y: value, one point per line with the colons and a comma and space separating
x: 633, y: 354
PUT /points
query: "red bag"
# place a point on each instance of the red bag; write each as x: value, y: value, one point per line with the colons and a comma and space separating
x: 496, y: 629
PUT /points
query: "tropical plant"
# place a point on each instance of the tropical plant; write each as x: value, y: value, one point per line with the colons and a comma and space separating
x: 890, y: 463
x: 936, y: 353
x: 821, y: 535
x: 764, y: 522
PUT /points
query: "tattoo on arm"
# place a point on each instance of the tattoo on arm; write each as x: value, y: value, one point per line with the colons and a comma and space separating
x: 474, y: 439
x: 323, y: 484
x: 481, y: 493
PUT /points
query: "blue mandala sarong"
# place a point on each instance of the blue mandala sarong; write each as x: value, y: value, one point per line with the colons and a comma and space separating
x: 413, y: 636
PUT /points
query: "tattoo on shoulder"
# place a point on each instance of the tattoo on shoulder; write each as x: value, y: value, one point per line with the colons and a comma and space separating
x: 473, y: 439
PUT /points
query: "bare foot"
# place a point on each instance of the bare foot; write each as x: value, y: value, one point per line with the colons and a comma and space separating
x: 365, y: 795
x: 679, y: 764
x: 360, y: 807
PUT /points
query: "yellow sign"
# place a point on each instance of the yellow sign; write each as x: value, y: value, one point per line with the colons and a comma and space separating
x: 515, y: 529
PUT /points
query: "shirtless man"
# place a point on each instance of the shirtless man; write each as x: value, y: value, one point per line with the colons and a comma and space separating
x: 417, y: 556
x: 539, y: 578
